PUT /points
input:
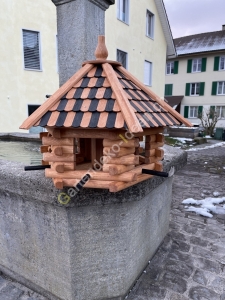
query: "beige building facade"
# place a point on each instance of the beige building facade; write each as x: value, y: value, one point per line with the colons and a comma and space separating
x: 137, y: 34
x: 198, y: 75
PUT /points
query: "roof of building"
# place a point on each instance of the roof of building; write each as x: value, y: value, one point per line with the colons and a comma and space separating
x: 104, y: 95
x: 203, y: 42
x: 174, y: 101
x: 171, y: 50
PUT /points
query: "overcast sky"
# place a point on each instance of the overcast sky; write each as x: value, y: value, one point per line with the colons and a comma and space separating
x: 188, y: 17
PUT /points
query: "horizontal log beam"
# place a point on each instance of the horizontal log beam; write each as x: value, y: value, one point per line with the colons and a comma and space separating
x: 64, y: 158
x: 57, y: 142
x: 118, y: 186
x: 120, y: 153
x: 62, y: 167
x: 94, y: 184
x: 154, y: 152
x: 128, y: 144
x: 61, y: 150
x: 124, y: 160
x: 78, y: 174
x: 117, y: 169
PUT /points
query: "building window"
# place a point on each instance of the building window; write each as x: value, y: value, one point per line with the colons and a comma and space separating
x: 222, y: 62
x: 197, y: 65
x: 31, y: 50
x: 122, y: 58
x: 220, y: 111
x: 195, y: 87
x: 221, y: 88
x: 149, y: 24
x: 123, y: 10
x: 193, y: 112
x: 148, y: 73
x: 168, y: 90
x: 170, y: 68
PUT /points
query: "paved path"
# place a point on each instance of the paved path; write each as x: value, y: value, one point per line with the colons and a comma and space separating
x: 190, y: 264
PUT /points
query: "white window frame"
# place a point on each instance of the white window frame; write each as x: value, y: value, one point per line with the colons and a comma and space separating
x: 150, y: 17
x: 120, y: 4
x: 221, y: 113
x: 223, y: 87
x: 170, y: 64
x: 148, y: 81
x: 126, y: 57
x: 196, y: 87
x: 194, y: 110
x: 40, y: 50
x: 196, y: 65
x: 222, y: 63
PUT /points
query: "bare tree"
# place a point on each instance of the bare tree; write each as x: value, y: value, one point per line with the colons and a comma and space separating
x: 209, y: 118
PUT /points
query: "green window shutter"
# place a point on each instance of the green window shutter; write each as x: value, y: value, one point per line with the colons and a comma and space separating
x: 216, y: 63
x: 202, y: 87
x: 176, y: 64
x: 204, y: 60
x: 189, y: 66
x: 214, y: 87
x: 186, y: 111
x: 187, y: 90
x: 212, y: 110
x: 168, y: 90
x: 200, y: 108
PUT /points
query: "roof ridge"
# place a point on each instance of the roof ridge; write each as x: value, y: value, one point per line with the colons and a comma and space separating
x: 38, y: 113
x: 122, y: 100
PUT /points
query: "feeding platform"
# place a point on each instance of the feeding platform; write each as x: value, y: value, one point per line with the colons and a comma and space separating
x: 95, y: 123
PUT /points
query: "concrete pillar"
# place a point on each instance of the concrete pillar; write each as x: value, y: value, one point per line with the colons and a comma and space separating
x: 79, y: 24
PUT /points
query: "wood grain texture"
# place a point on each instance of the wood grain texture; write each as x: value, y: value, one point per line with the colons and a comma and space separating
x: 118, y: 186
x: 94, y: 184
x: 128, y: 144
x: 154, y: 96
x: 124, y: 160
x: 58, y: 142
x: 116, y: 169
x: 78, y: 174
x: 32, y: 119
x: 121, y: 98
x: 64, y: 158
x: 120, y: 153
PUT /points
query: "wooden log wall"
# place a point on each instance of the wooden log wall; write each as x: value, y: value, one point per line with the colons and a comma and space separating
x: 122, y: 160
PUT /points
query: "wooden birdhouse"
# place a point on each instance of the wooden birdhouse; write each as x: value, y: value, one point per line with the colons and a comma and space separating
x: 95, y: 123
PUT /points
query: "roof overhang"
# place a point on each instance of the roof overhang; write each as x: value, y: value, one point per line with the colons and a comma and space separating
x: 171, y: 50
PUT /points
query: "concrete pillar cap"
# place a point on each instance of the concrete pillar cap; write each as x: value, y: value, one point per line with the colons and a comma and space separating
x: 103, y: 4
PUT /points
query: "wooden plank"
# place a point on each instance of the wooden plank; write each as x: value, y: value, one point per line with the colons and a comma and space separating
x: 63, y: 150
x: 58, y: 183
x: 121, y: 143
x: 65, y: 158
x: 118, y: 186
x: 78, y: 174
x: 159, y: 166
x: 138, y: 170
x: 117, y: 169
x: 121, y: 98
x: 62, y: 167
x: 38, y: 113
x: 57, y: 142
x: 152, y: 159
x: 150, y: 138
x: 44, y: 163
x: 120, y: 153
x: 94, y: 184
x: 149, y: 131
x: 42, y: 134
x: 45, y: 149
x: 124, y: 160
x: 151, y: 146
x: 159, y: 152
x: 154, y: 96
x: 160, y: 138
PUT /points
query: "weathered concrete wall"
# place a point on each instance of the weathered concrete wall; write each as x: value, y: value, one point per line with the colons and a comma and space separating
x: 93, y: 248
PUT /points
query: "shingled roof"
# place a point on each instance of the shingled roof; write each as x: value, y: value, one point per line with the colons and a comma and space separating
x: 203, y: 42
x: 104, y: 95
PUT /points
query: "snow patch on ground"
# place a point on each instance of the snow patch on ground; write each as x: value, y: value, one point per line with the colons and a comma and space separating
x: 207, y: 206
x: 207, y: 147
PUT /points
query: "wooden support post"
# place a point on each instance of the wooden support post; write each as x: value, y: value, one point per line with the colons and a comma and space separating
x: 93, y: 151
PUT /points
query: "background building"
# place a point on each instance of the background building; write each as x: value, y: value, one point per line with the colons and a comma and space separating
x: 195, y: 80
x: 137, y: 34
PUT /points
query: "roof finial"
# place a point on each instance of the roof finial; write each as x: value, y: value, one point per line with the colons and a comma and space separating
x: 101, y: 51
